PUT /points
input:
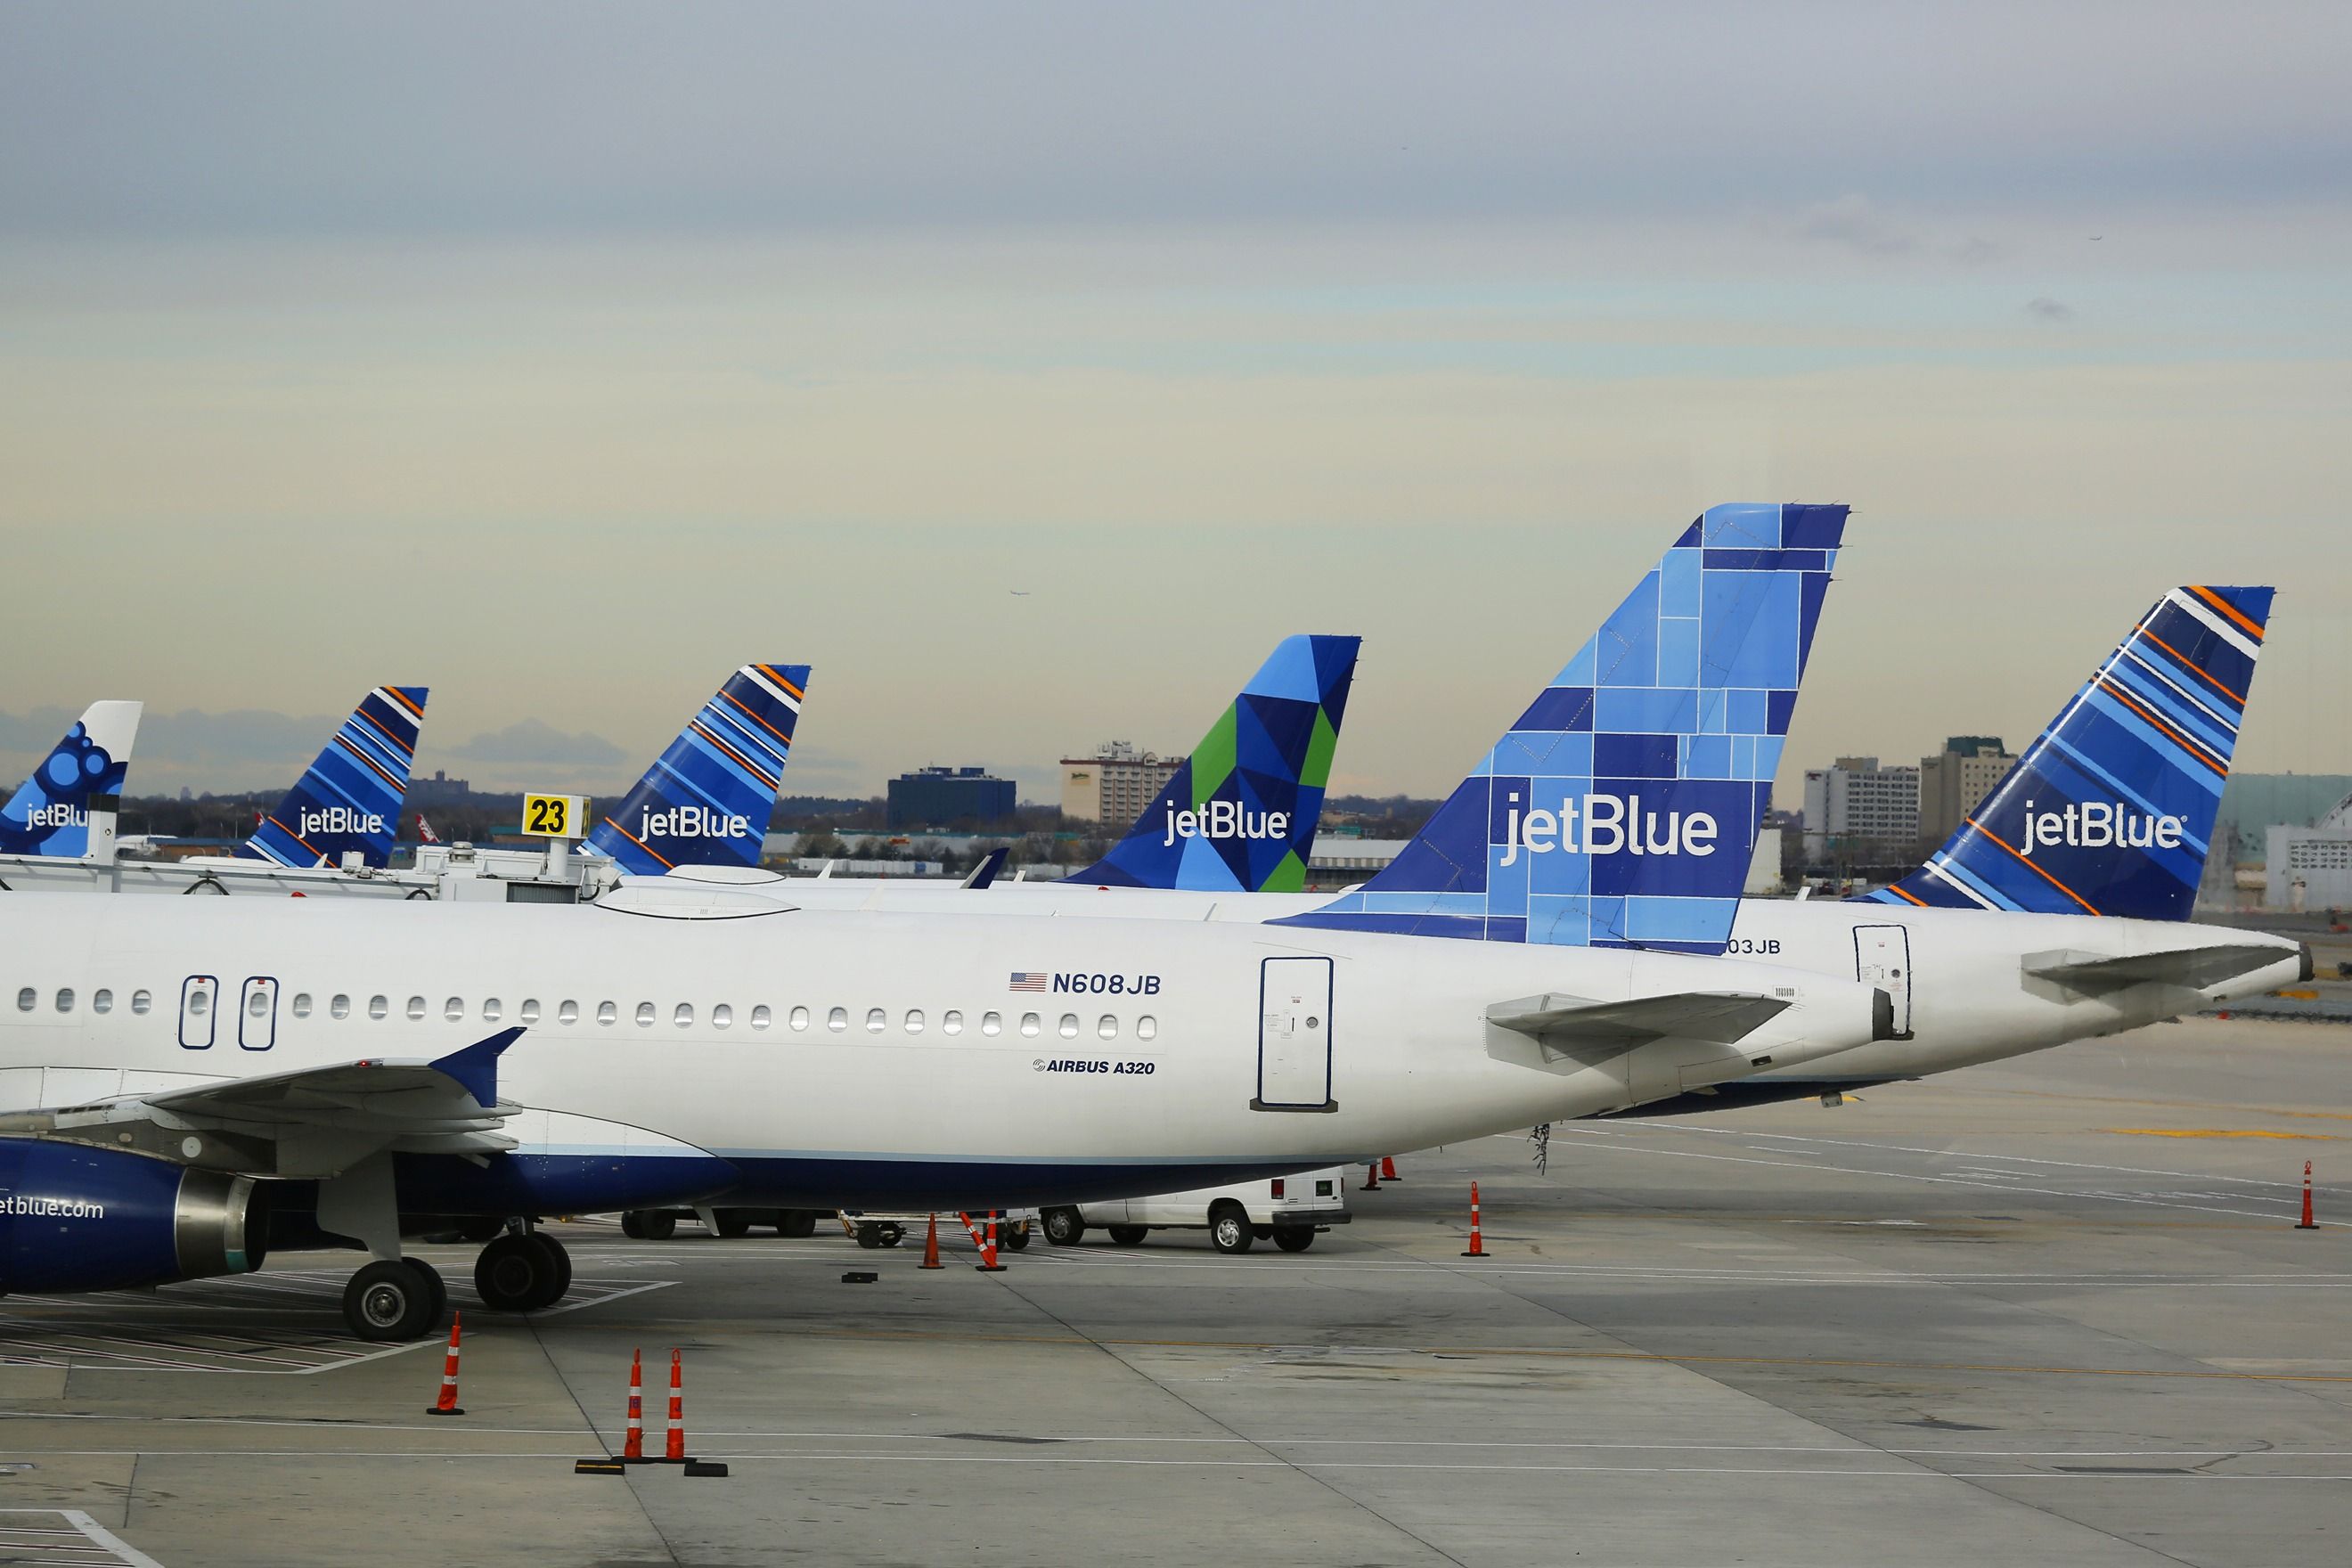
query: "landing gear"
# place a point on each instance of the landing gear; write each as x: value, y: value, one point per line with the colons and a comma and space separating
x: 393, y: 1299
x: 797, y: 1223
x: 1064, y: 1226
x: 1293, y: 1237
x: 874, y: 1235
x: 1015, y: 1236
x: 1127, y: 1234
x: 527, y: 1273
x: 730, y: 1223
x: 655, y: 1225
x: 632, y: 1224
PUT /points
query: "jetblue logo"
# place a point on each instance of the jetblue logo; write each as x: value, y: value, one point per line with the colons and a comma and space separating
x: 1605, y: 825
x: 339, y: 819
x: 57, y: 816
x: 693, y: 822
x: 1225, y: 819
x: 2101, y: 825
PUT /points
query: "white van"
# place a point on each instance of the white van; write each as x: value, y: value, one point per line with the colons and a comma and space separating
x: 1285, y: 1210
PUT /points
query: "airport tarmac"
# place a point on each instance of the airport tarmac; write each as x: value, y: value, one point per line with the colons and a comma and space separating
x: 2051, y: 1310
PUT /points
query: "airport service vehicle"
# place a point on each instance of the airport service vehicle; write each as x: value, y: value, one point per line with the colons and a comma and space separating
x: 48, y: 817
x: 200, y: 1079
x: 1286, y: 1210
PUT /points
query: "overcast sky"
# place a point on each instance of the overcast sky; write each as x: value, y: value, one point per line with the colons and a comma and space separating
x: 563, y: 357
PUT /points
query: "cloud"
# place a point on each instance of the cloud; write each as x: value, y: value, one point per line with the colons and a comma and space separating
x: 531, y: 740
x: 2045, y: 309
x: 1852, y: 222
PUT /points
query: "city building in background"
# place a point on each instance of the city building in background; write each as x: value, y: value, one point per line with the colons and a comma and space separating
x: 2310, y: 868
x: 1856, y: 801
x: 941, y: 797
x: 1955, y: 779
x: 1115, y: 784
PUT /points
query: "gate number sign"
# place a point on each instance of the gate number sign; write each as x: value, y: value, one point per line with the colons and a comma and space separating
x: 555, y: 815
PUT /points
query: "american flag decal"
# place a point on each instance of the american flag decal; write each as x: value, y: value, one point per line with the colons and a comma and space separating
x: 1025, y: 979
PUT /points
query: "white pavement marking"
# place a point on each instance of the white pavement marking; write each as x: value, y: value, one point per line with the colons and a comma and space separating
x: 119, y: 1554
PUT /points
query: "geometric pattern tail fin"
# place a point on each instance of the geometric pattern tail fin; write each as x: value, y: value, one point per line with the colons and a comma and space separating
x: 1239, y: 816
x: 350, y: 799
x: 2110, y: 811
x: 1621, y: 810
x: 707, y: 800
x: 50, y: 815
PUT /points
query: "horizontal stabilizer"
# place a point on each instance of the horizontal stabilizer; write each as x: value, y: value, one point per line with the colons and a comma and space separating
x: 1596, y: 1031
x: 2195, y: 968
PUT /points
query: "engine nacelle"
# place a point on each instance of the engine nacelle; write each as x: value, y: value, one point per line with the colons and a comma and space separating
x: 74, y: 1217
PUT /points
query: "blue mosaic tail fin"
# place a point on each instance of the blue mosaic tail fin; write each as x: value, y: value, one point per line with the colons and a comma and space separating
x: 1240, y: 814
x: 50, y: 815
x: 707, y: 800
x: 1621, y: 810
x: 350, y: 799
x: 2110, y: 811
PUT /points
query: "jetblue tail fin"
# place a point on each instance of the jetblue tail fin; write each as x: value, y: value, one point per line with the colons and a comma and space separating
x: 1240, y: 814
x: 351, y: 797
x: 707, y: 800
x: 50, y: 815
x: 2110, y: 811
x: 1621, y: 810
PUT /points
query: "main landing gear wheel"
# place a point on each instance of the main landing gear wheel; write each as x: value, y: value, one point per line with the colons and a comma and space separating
x: 1017, y: 1237
x: 632, y: 1224
x: 1063, y: 1227
x: 798, y: 1224
x: 1229, y: 1228
x: 658, y: 1224
x: 440, y: 1290
x: 392, y: 1300
x: 522, y: 1273
x: 1293, y: 1237
x: 731, y: 1223
x: 1127, y: 1234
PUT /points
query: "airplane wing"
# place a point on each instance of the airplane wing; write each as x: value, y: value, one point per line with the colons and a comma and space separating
x: 1594, y: 1032
x: 985, y: 872
x: 2192, y: 967
x: 320, y: 1120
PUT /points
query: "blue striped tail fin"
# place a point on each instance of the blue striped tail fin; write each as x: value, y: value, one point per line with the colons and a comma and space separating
x: 1622, y: 809
x: 350, y: 799
x: 49, y: 813
x: 1239, y: 814
x: 707, y: 800
x: 2110, y: 811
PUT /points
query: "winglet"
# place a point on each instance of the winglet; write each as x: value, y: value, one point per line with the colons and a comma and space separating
x: 991, y: 864
x: 1240, y: 814
x: 474, y: 1069
x: 707, y: 800
x: 50, y: 815
x: 350, y: 798
x: 2111, y: 810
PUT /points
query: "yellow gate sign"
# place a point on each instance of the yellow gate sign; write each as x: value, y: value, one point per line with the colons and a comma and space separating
x: 555, y: 815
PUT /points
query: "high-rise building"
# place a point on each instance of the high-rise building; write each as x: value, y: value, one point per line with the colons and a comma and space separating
x: 943, y: 797
x: 1114, y: 786
x: 1953, y: 781
x: 1854, y: 800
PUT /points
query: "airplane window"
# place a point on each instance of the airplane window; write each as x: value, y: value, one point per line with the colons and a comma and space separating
x: 876, y: 1020
x: 1069, y: 1025
x: 1031, y: 1024
x: 257, y: 1005
x: 415, y: 1008
x: 341, y: 1008
x: 644, y: 1015
x: 529, y: 1014
x: 140, y: 1000
x: 682, y: 1015
x: 721, y: 1015
x: 799, y: 1018
x: 568, y: 1013
x: 101, y: 1001
x: 301, y: 1004
x: 760, y: 1018
x: 952, y: 1022
x: 1146, y: 1027
x: 199, y: 1003
x: 991, y: 1023
x: 491, y: 1009
x: 914, y: 1021
x: 836, y: 1020
x: 454, y: 1009
x: 378, y: 1007
x: 65, y: 1000
x: 28, y: 999
x: 1107, y: 1027
x: 607, y: 1012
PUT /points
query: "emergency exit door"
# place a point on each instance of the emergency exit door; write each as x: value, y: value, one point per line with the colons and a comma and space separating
x: 1293, y: 1035
x: 1882, y: 957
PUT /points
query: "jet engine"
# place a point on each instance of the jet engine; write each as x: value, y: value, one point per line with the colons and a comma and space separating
x: 74, y: 1217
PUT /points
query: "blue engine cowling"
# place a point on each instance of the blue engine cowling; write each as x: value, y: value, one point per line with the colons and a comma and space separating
x: 73, y: 1217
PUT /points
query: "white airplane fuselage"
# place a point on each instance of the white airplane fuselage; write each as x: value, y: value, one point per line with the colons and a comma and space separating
x: 864, y: 1057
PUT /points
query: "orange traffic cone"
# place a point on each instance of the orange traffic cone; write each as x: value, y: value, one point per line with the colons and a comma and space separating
x: 1477, y: 1241
x: 633, y: 1449
x: 447, y: 1404
x: 673, y: 1451
x: 1371, y: 1178
x: 1388, y: 1169
x: 2308, y: 1222
x: 931, y: 1245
